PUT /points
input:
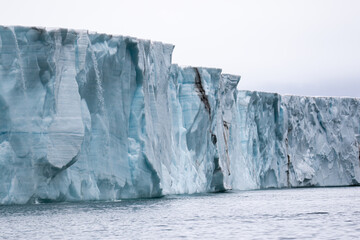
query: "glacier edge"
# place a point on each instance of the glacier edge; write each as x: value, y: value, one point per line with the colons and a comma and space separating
x: 88, y: 116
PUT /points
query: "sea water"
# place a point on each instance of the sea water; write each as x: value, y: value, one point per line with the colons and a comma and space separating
x: 307, y: 213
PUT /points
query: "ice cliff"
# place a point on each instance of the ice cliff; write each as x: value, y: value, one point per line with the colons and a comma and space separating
x: 294, y: 141
x: 86, y: 116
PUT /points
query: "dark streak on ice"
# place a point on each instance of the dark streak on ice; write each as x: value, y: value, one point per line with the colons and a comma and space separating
x: 217, y: 181
x: 202, y: 95
x: 226, y: 133
x: 66, y: 166
x: 201, y: 91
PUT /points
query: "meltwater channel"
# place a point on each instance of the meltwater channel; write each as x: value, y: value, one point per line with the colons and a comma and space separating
x: 306, y: 213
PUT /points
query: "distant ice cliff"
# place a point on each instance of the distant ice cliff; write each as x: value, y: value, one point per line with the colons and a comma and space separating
x: 98, y: 117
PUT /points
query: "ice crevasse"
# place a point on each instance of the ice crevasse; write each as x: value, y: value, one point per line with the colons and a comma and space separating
x: 87, y: 116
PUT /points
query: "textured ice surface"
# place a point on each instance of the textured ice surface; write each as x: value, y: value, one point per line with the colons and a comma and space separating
x: 92, y: 116
x: 293, y: 141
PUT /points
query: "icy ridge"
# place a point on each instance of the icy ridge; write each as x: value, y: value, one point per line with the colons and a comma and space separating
x: 100, y: 117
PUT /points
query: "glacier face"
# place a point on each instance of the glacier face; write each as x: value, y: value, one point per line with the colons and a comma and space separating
x: 294, y: 141
x: 98, y: 117
x: 89, y: 116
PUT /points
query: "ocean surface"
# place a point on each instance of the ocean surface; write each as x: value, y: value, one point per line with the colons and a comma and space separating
x: 307, y: 213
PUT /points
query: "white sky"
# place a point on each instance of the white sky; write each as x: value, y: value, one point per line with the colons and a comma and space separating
x: 303, y: 47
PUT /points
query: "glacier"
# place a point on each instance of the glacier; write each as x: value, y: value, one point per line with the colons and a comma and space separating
x: 88, y: 116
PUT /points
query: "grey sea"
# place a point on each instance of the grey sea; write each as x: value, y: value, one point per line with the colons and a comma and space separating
x: 308, y: 213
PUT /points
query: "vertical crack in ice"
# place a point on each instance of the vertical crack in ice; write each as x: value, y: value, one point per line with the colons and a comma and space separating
x: 227, y: 86
x: 217, y: 182
x: 99, y: 88
x: 359, y: 153
x: 201, y: 92
x: 202, y: 95
x: 226, y: 137
x: 288, y: 163
x: 58, y: 67
x: 18, y: 54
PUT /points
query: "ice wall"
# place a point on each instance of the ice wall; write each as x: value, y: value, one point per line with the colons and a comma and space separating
x: 294, y: 141
x: 93, y: 116
x: 86, y: 116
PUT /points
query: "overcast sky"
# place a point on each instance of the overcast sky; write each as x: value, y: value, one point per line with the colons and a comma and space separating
x: 303, y: 47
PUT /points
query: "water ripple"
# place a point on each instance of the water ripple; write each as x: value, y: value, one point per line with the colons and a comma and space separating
x: 275, y: 214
